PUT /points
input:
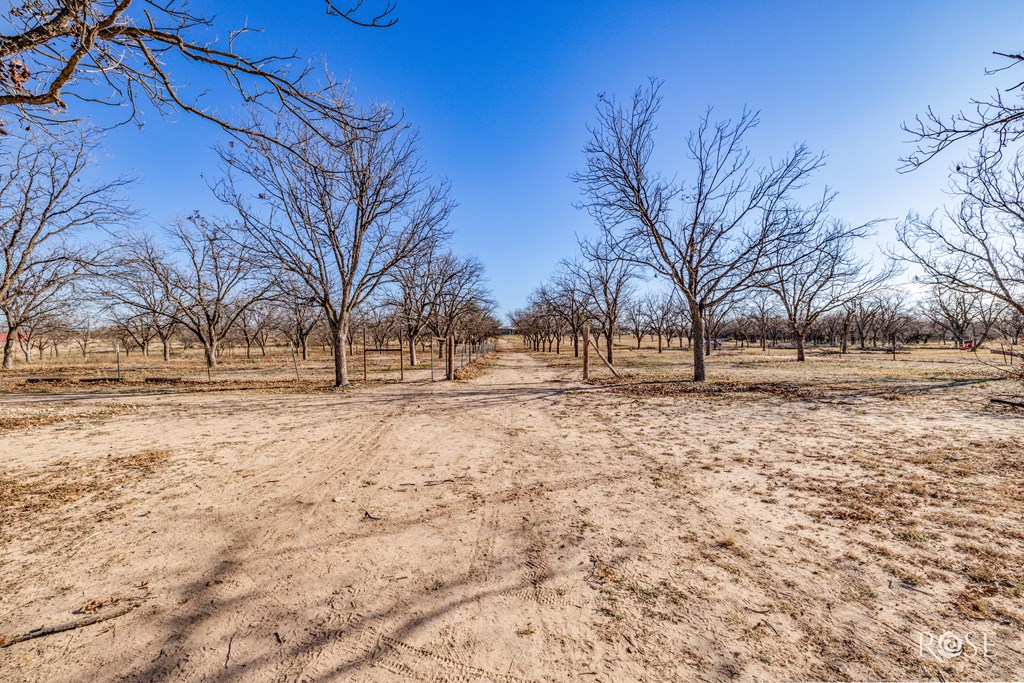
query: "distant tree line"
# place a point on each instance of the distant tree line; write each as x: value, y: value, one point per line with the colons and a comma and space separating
x: 338, y: 231
x: 745, y: 254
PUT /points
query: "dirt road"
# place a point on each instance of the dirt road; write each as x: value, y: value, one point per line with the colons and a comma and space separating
x: 518, y: 526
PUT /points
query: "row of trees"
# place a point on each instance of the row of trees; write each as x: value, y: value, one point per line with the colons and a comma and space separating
x: 274, y: 321
x: 325, y: 221
x: 330, y: 210
x: 733, y: 227
x: 758, y: 317
x: 735, y: 236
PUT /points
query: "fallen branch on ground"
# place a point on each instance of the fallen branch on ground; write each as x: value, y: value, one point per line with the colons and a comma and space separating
x: 1003, y: 401
x: 70, y: 625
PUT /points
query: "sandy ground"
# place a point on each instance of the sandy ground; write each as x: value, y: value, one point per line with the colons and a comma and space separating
x: 516, y: 526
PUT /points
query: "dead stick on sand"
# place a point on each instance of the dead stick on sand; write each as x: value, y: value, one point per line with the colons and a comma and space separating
x: 228, y: 658
x: 1003, y: 401
x: 71, y: 625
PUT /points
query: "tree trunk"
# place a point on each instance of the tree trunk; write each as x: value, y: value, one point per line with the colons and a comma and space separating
x: 9, y: 350
x: 659, y: 343
x: 210, y: 350
x: 799, y: 347
x: 575, y: 345
x: 412, y: 353
x: 698, y: 344
x: 610, y: 351
x: 167, y: 349
x: 340, y: 359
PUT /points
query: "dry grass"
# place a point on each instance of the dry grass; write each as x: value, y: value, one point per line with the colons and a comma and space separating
x: 32, y: 501
x: 35, y: 416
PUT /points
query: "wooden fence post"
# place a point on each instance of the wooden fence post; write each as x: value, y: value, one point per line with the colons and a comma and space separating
x: 450, y: 343
x: 295, y: 360
x: 586, y: 352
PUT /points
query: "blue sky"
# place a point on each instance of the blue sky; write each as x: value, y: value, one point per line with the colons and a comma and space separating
x: 502, y: 93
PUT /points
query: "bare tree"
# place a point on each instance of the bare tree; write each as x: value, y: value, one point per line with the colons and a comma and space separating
x: 458, y: 292
x: 998, y: 121
x: 133, y: 287
x: 953, y: 312
x: 568, y: 296
x: 420, y: 281
x: 1011, y: 325
x: 380, y: 323
x: 893, y: 318
x: 255, y: 325
x: 533, y: 323
x: 298, y: 316
x: 119, y: 53
x: 717, y: 319
x: 761, y: 307
x: 44, y: 206
x: 662, y: 308
x: 609, y: 280
x: 83, y: 329
x: 820, y: 272
x: 713, y: 245
x: 206, y: 282
x: 636, y: 317
x: 38, y: 296
x: 339, y: 215
x: 862, y: 313
x: 977, y: 248
x: 132, y: 328
x: 480, y: 324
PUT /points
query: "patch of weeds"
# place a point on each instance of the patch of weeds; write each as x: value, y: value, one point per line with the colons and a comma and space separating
x: 527, y: 630
x: 905, y: 575
x: 911, y: 536
x: 917, y: 488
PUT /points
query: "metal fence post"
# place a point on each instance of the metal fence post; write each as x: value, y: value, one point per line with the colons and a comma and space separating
x: 586, y: 352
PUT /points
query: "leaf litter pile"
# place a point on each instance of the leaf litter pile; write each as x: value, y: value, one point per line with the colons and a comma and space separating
x: 34, y: 502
